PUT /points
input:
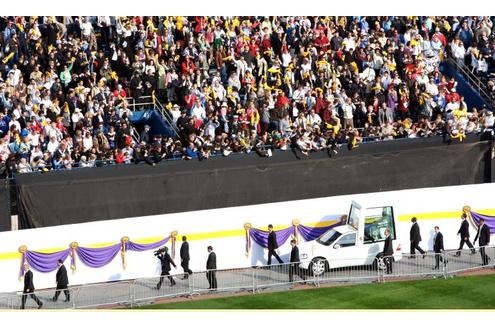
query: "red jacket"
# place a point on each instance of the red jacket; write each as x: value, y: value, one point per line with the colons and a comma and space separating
x: 119, y: 158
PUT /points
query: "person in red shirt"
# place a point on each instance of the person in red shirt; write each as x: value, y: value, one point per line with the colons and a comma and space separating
x: 120, y: 92
x: 440, y: 36
x: 119, y: 156
x: 282, y: 100
x: 321, y: 103
x: 321, y: 42
x: 187, y: 66
x: 266, y: 44
x: 190, y: 99
x: 253, y: 48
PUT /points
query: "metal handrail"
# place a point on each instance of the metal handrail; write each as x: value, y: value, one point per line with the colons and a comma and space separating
x: 255, y: 278
x: 473, y: 80
x: 157, y: 105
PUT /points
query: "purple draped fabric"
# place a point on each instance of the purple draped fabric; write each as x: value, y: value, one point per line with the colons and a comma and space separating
x: 98, y: 257
x: 131, y: 246
x: 311, y: 233
x: 260, y: 237
x: 489, y: 220
x: 45, y: 262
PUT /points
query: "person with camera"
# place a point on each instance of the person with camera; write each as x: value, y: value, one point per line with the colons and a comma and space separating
x: 165, y: 260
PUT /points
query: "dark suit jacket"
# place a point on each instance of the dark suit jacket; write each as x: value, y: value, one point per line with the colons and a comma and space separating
x: 272, y: 241
x: 438, y: 242
x: 414, y: 234
x: 28, y: 282
x: 387, y: 247
x: 211, y: 263
x: 294, y: 254
x: 62, y: 279
x: 184, y: 251
x: 464, y: 229
x: 166, y: 260
x: 484, y: 235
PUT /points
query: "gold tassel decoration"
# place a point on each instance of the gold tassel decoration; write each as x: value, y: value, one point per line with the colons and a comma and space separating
x: 466, y: 209
x: 124, y: 240
x: 173, y: 239
x: 247, y: 227
x: 296, y: 224
x: 22, y: 250
x: 73, y: 247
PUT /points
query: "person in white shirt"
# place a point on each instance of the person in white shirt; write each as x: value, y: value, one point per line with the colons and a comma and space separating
x: 87, y: 141
x: 348, y: 108
x: 52, y: 145
x: 76, y: 117
x: 86, y: 28
x: 432, y: 88
x: 198, y: 110
x: 175, y: 112
x: 489, y: 121
x: 314, y: 118
x: 301, y: 121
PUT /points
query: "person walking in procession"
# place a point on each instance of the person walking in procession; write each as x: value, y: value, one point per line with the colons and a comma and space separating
x: 165, y: 260
x: 29, y: 288
x: 62, y: 282
x: 438, y: 248
x: 415, y: 238
x: 484, y: 236
x: 184, y: 257
x: 272, y: 246
x: 294, y: 262
x: 464, y: 232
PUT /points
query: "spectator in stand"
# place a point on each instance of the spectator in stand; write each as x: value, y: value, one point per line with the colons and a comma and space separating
x: 298, y: 82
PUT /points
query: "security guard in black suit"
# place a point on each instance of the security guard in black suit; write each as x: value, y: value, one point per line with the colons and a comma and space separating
x: 29, y: 288
x: 484, y: 236
x: 438, y: 248
x: 415, y: 238
x: 464, y: 232
x: 62, y: 282
x: 294, y: 262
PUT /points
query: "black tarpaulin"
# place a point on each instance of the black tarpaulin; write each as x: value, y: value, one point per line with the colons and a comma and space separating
x: 66, y: 197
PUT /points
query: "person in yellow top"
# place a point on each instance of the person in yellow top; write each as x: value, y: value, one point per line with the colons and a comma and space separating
x: 459, y: 113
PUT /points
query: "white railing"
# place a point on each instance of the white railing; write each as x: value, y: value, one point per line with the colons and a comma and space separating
x: 255, y: 279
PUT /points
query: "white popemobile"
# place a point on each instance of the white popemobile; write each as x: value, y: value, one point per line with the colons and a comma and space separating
x: 356, y: 243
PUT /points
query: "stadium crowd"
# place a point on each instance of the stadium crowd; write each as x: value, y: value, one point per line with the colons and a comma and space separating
x: 229, y: 84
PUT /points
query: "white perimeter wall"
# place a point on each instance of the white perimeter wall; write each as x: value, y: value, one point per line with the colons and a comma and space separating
x: 201, y: 225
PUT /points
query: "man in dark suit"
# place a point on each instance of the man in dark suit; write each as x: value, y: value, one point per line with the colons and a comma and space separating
x: 294, y: 262
x: 165, y: 260
x: 464, y: 232
x: 415, y: 238
x: 438, y: 248
x: 184, y: 257
x: 272, y: 245
x: 62, y: 282
x: 211, y: 266
x: 29, y: 288
x: 388, y: 251
x: 484, y: 236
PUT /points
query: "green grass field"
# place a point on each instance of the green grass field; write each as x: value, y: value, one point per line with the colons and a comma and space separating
x: 475, y: 292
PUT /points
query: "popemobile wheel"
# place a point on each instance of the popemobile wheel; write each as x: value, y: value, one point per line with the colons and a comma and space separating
x: 317, y: 267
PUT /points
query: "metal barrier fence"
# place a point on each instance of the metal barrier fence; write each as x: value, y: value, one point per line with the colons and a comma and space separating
x: 255, y: 279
